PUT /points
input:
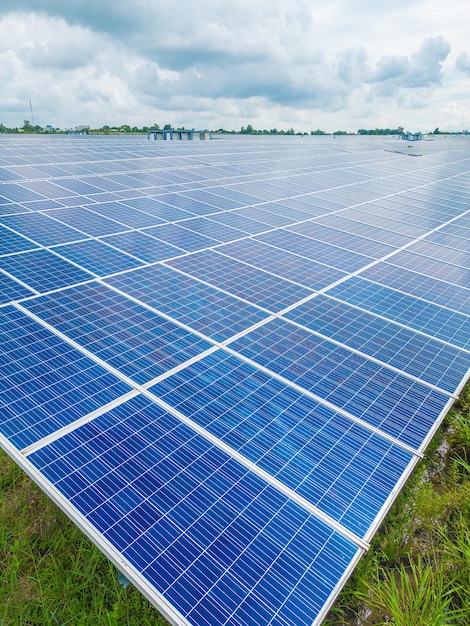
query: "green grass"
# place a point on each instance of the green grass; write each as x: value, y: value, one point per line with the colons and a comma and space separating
x: 417, y: 594
x: 417, y: 572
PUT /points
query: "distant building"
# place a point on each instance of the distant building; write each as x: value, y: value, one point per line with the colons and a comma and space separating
x: 79, y: 130
x: 179, y: 135
x: 412, y: 136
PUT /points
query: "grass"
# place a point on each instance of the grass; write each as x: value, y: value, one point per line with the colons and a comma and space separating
x: 417, y: 572
x: 417, y: 594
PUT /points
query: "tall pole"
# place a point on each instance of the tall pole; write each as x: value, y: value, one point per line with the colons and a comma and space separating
x: 32, y: 116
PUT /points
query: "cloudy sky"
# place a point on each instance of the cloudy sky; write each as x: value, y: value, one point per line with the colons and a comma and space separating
x: 306, y: 64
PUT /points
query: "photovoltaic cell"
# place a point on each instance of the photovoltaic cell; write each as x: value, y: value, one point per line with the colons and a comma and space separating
x: 210, y: 535
x: 10, y: 242
x: 11, y: 290
x: 43, y: 271
x: 42, y: 229
x: 408, y: 351
x: 284, y: 264
x: 241, y: 280
x: 347, y: 241
x: 214, y: 200
x: 97, y: 257
x: 45, y: 384
x: 12, y: 192
x: 401, y: 407
x: 418, y: 314
x: 183, y: 238
x: 265, y: 217
x: 188, y: 204
x: 220, y: 232
x: 344, y: 225
x: 433, y: 267
x: 172, y: 376
x: 143, y: 246
x: 205, y: 309
x: 440, y: 292
x: 131, y: 339
x: 160, y: 210
x: 133, y: 218
x: 87, y: 222
x: 238, y: 221
x: 324, y: 457
x: 316, y: 250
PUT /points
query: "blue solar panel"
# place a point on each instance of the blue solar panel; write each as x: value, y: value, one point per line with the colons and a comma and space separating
x: 460, y: 240
x: 42, y: 271
x: 220, y: 232
x: 205, y: 309
x: 347, y: 241
x: 241, y: 280
x: 97, y: 257
x: 287, y: 210
x: 382, y: 398
x: 45, y: 188
x: 285, y: 264
x: 138, y: 343
x: 344, y: 225
x: 87, y: 222
x: 446, y: 294
x: 433, y: 267
x: 11, y: 192
x: 42, y: 229
x: 223, y: 359
x: 10, y: 242
x: 210, y: 535
x: 316, y: 250
x: 7, y: 208
x: 159, y: 209
x: 183, y: 238
x: 12, y: 290
x: 45, y: 384
x: 142, y: 246
x: 264, y: 216
x: 375, y: 216
x: 213, y: 200
x: 335, y: 464
x: 188, y: 204
x: 236, y: 220
x: 408, y: 351
x: 418, y: 314
x: 133, y: 218
x: 78, y: 186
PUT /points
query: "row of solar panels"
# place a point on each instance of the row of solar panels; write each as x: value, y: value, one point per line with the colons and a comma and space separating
x: 227, y: 387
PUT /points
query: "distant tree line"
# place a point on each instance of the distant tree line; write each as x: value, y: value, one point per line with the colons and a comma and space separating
x: 381, y: 131
x: 106, y: 129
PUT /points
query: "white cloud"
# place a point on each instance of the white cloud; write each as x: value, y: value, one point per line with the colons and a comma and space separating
x: 463, y: 63
x: 270, y: 63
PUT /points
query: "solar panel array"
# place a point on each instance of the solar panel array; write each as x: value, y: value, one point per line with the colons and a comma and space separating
x: 223, y: 359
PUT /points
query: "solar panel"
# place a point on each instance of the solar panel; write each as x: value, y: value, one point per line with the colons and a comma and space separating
x: 223, y: 359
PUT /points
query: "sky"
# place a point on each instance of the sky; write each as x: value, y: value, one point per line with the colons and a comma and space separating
x: 302, y: 64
